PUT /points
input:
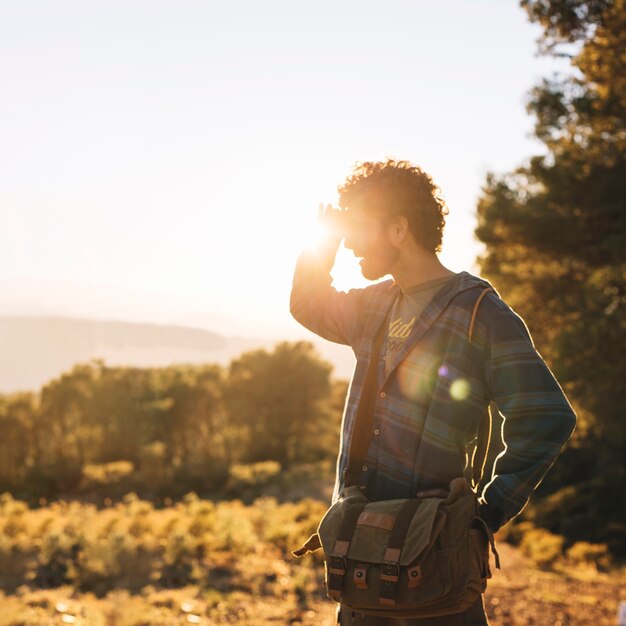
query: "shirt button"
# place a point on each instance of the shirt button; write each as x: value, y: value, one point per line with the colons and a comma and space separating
x: 376, y: 431
x: 364, y: 468
x: 383, y: 394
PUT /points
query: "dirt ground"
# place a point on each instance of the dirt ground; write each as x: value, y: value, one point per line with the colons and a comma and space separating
x: 521, y: 594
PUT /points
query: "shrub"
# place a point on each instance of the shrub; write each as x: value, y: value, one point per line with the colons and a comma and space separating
x: 542, y: 546
x: 595, y: 554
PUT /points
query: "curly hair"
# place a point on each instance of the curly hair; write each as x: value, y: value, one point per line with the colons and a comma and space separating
x: 398, y: 188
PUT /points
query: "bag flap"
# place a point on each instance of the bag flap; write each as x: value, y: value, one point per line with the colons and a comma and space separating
x: 368, y: 542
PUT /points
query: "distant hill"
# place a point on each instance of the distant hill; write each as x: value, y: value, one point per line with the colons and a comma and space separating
x: 34, y: 350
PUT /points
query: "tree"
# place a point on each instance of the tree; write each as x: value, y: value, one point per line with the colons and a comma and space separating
x: 274, y: 399
x: 17, y: 419
x: 122, y: 409
x: 64, y: 433
x: 555, y: 236
x: 197, y: 431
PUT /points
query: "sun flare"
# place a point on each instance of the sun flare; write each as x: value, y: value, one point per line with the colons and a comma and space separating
x: 346, y: 272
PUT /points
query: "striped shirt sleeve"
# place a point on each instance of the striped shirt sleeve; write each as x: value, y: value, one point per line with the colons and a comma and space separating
x: 538, y: 419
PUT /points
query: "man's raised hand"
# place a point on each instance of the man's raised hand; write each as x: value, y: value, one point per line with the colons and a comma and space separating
x: 332, y: 222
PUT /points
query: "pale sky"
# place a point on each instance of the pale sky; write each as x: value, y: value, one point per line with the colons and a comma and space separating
x: 162, y: 160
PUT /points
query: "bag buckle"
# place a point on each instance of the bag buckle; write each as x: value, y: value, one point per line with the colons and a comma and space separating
x: 337, y: 565
x: 390, y: 572
x: 335, y: 573
x: 389, y: 576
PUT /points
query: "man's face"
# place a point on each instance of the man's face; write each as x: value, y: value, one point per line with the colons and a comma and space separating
x: 367, y: 237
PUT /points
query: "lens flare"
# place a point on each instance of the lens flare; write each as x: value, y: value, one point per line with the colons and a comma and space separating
x: 460, y: 389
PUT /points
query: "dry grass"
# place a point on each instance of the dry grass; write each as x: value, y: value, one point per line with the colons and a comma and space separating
x: 201, y: 562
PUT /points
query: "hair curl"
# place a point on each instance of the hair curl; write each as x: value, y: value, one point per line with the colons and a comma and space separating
x: 398, y: 188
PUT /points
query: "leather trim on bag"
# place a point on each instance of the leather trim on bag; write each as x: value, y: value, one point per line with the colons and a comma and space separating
x: 376, y: 520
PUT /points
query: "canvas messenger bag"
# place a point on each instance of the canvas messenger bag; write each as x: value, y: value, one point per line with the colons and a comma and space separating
x: 417, y: 557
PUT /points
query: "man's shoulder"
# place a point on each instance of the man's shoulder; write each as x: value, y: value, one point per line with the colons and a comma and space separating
x: 471, y: 288
x: 492, y: 311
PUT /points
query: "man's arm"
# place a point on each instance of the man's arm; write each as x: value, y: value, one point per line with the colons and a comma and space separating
x: 538, y: 419
x: 317, y: 305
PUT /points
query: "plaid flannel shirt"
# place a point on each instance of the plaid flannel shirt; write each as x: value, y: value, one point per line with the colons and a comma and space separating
x: 429, y: 407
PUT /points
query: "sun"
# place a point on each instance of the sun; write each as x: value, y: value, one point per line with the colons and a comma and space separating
x: 346, y: 272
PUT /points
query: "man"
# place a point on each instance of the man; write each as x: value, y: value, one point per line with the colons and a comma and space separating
x: 445, y: 356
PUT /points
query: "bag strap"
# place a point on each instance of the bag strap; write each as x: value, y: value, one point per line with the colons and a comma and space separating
x: 390, y: 570
x: 312, y: 544
x: 336, y: 561
x: 364, y: 419
x: 479, y: 457
x: 483, y: 293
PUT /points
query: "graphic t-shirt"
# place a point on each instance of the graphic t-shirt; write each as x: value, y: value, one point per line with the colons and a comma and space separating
x: 405, y: 311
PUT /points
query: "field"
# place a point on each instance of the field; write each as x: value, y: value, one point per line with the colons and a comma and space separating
x: 277, y: 591
x: 136, y: 563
